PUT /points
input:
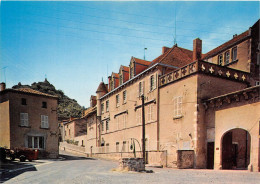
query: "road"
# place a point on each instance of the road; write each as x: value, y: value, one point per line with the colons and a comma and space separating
x: 73, y: 169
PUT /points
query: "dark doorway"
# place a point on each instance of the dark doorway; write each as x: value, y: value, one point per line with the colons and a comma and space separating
x: 210, y: 155
x: 236, y: 149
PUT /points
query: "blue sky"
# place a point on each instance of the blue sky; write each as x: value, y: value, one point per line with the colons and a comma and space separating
x: 75, y: 44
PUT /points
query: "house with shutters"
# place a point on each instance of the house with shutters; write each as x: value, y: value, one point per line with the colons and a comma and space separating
x: 28, y: 119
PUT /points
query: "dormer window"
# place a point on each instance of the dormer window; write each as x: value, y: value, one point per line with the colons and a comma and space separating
x: 234, y: 54
x: 121, y: 79
x: 220, y: 59
x: 131, y: 72
x: 227, y: 55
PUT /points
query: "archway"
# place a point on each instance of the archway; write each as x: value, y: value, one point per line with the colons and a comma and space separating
x: 236, y: 149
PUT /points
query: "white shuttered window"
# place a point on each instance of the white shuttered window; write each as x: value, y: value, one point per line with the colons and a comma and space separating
x: 24, y: 119
x: 44, y: 121
x: 177, y: 106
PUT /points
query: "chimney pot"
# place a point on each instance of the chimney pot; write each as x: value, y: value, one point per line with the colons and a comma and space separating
x: 197, y: 49
x: 2, y: 86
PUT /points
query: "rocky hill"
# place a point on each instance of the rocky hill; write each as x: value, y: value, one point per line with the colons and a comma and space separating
x: 67, y: 107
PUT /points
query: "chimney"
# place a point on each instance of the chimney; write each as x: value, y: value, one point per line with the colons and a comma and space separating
x: 197, y: 49
x: 2, y: 86
x: 165, y: 49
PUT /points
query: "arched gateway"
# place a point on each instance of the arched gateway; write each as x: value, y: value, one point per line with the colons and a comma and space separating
x: 236, y: 149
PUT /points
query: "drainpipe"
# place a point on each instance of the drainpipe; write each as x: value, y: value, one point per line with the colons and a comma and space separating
x: 158, y: 109
x: 246, y: 150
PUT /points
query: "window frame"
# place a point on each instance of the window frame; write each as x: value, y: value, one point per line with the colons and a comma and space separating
x: 227, y: 58
x: 124, y: 96
x: 44, y: 105
x: 152, y: 83
x: 23, y: 101
x: 102, y: 108
x: 24, y: 119
x: 45, y: 121
x: 177, y: 107
x: 32, y: 145
x: 107, y: 106
x: 220, y: 59
x: 107, y: 125
x: 232, y: 53
x: 117, y: 100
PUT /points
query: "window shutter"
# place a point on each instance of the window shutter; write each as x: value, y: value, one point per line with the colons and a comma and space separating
x: 22, y: 119
x: 42, y: 121
x: 142, y: 87
x: 46, y: 122
x: 155, y: 82
x: 25, y: 119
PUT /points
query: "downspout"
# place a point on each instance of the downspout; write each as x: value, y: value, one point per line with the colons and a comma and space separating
x: 158, y: 109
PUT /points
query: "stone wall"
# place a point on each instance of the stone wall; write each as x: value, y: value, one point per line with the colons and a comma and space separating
x: 185, y: 159
x: 132, y: 164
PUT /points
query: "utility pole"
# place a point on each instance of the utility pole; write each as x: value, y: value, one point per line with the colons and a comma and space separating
x: 143, y: 127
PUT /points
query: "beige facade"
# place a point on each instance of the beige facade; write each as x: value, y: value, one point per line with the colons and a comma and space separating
x: 28, y: 119
x: 182, y: 128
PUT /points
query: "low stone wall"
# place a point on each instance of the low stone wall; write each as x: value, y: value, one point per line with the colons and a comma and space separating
x: 185, y: 159
x: 132, y: 164
x: 156, y: 158
x: 72, y: 148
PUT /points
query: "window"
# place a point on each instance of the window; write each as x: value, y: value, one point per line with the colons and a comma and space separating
x: 234, y: 54
x: 227, y: 57
x: 102, y: 126
x: 44, y: 105
x: 131, y: 72
x: 102, y: 108
x: 117, y: 100
x: 257, y: 83
x: 82, y: 143
x: 124, y: 120
x: 24, y: 101
x: 124, y: 96
x: 107, y: 125
x: 177, y: 106
x: 121, y: 79
x: 152, y: 83
x: 117, y: 122
x: 124, y: 146
x: 24, y: 119
x: 150, y: 112
x: 220, y: 59
x: 36, y: 142
x: 117, y: 146
x: 44, y: 121
x: 139, y: 116
x: 107, y: 106
x: 141, y: 88
x: 69, y: 131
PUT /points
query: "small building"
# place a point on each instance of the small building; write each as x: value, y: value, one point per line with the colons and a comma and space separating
x: 75, y: 131
x: 28, y: 119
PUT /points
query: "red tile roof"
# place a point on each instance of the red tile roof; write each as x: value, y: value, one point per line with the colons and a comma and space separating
x: 175, y: 56
x: 31, y: 91
x: 141, y: 61
x: 226, y: 45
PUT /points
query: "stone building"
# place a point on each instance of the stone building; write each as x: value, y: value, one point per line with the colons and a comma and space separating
x: 197, y: 106
x: 75, y: 131
x: 28, y: 118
